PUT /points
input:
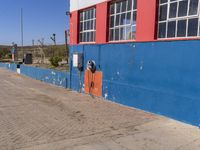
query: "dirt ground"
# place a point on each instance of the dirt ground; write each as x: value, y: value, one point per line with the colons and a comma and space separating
x: 38, y: 116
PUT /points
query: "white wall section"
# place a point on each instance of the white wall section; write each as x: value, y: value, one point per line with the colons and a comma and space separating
x: 80, y: 4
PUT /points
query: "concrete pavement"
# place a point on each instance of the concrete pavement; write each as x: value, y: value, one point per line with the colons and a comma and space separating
x: 38, y: 116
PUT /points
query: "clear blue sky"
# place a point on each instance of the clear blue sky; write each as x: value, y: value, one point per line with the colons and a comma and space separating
x: 42, y: 18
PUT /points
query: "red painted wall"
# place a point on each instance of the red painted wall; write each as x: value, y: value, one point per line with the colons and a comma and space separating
x: 74, y: 32
x: 146, y: 20
x: 102, y: 23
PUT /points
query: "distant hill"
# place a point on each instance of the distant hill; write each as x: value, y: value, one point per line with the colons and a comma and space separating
x: 4, y: 47
x: 47, y: 50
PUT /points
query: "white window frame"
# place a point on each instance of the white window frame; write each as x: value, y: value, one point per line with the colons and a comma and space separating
x: 131, y: 25
x: 176, y: 19
x: 83, y: 31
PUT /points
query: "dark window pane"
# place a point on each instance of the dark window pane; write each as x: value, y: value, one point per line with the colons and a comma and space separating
x: 89, y: 14
x: 112, y: 21
x: 173, y: 10
x: 85, y: 26
x: 81, y: 26
x: 95, y: 24
x: 133, y: 29
x: 124, y: 6
x: 129, y: 5
x: 128, y: 33
x: 81, y: 16
x: 92, y: 13
x: 193, y: 7
x: 84, y: 37
x: 133, y: 32
x: 123, y: 19
x: 80, y: 37
x: 88, y: 25
x: 112, y: 9
x: 118, y: 7
x: 192, y: 27
x: 111, y: 34
x: 85, y: 15
x: 134, y: 17
x: 135, y: 4
x: 162, y: 30
x: 163, y: 13
x: 181, y: 31
x: 117, y: 34
x: 122, y: 33
x: 171, y: 30
x: 183, y: 5
x: 163, y: 1
x: 88, y: 36
x: 94, y: 35
x: 92, y: 24
x: 117, y: 20
x: 128, y: 18
x: 91, y: 36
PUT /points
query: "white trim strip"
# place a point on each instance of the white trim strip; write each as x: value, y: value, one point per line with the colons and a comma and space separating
x: 80, y: 4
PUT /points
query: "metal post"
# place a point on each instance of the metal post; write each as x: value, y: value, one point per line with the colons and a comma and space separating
x: 22, y: 32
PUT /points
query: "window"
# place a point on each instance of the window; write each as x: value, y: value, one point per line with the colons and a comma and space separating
x: 178, y: 18
x: 87, y: 26
x: 123, y: 20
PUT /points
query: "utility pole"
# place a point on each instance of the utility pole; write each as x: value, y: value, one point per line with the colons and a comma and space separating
x: 22, y: 32
x: 33, y: 42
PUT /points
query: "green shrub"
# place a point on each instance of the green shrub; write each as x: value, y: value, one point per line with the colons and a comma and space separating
x: 5, y: 53
x: 55, y: 61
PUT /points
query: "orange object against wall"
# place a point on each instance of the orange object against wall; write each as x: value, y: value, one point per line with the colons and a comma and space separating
x: 93, y: 83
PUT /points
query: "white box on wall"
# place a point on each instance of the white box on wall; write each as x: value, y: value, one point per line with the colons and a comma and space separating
x: 78, y: 60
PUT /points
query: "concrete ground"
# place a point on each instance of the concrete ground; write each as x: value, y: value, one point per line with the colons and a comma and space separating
x: 38, y: 116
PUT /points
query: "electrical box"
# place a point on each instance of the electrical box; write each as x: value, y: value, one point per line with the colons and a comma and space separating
x: 28, y: 58
x: 78, y: 60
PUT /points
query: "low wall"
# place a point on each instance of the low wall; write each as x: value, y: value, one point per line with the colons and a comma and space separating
x: 51, y: 76
x: 159, y: 77
x: 10, y: 66
x: 58, y: 78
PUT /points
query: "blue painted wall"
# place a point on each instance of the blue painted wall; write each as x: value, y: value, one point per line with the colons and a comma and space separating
x: 47, y: 75
x: 159, y: 77
x: 10, y: 66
